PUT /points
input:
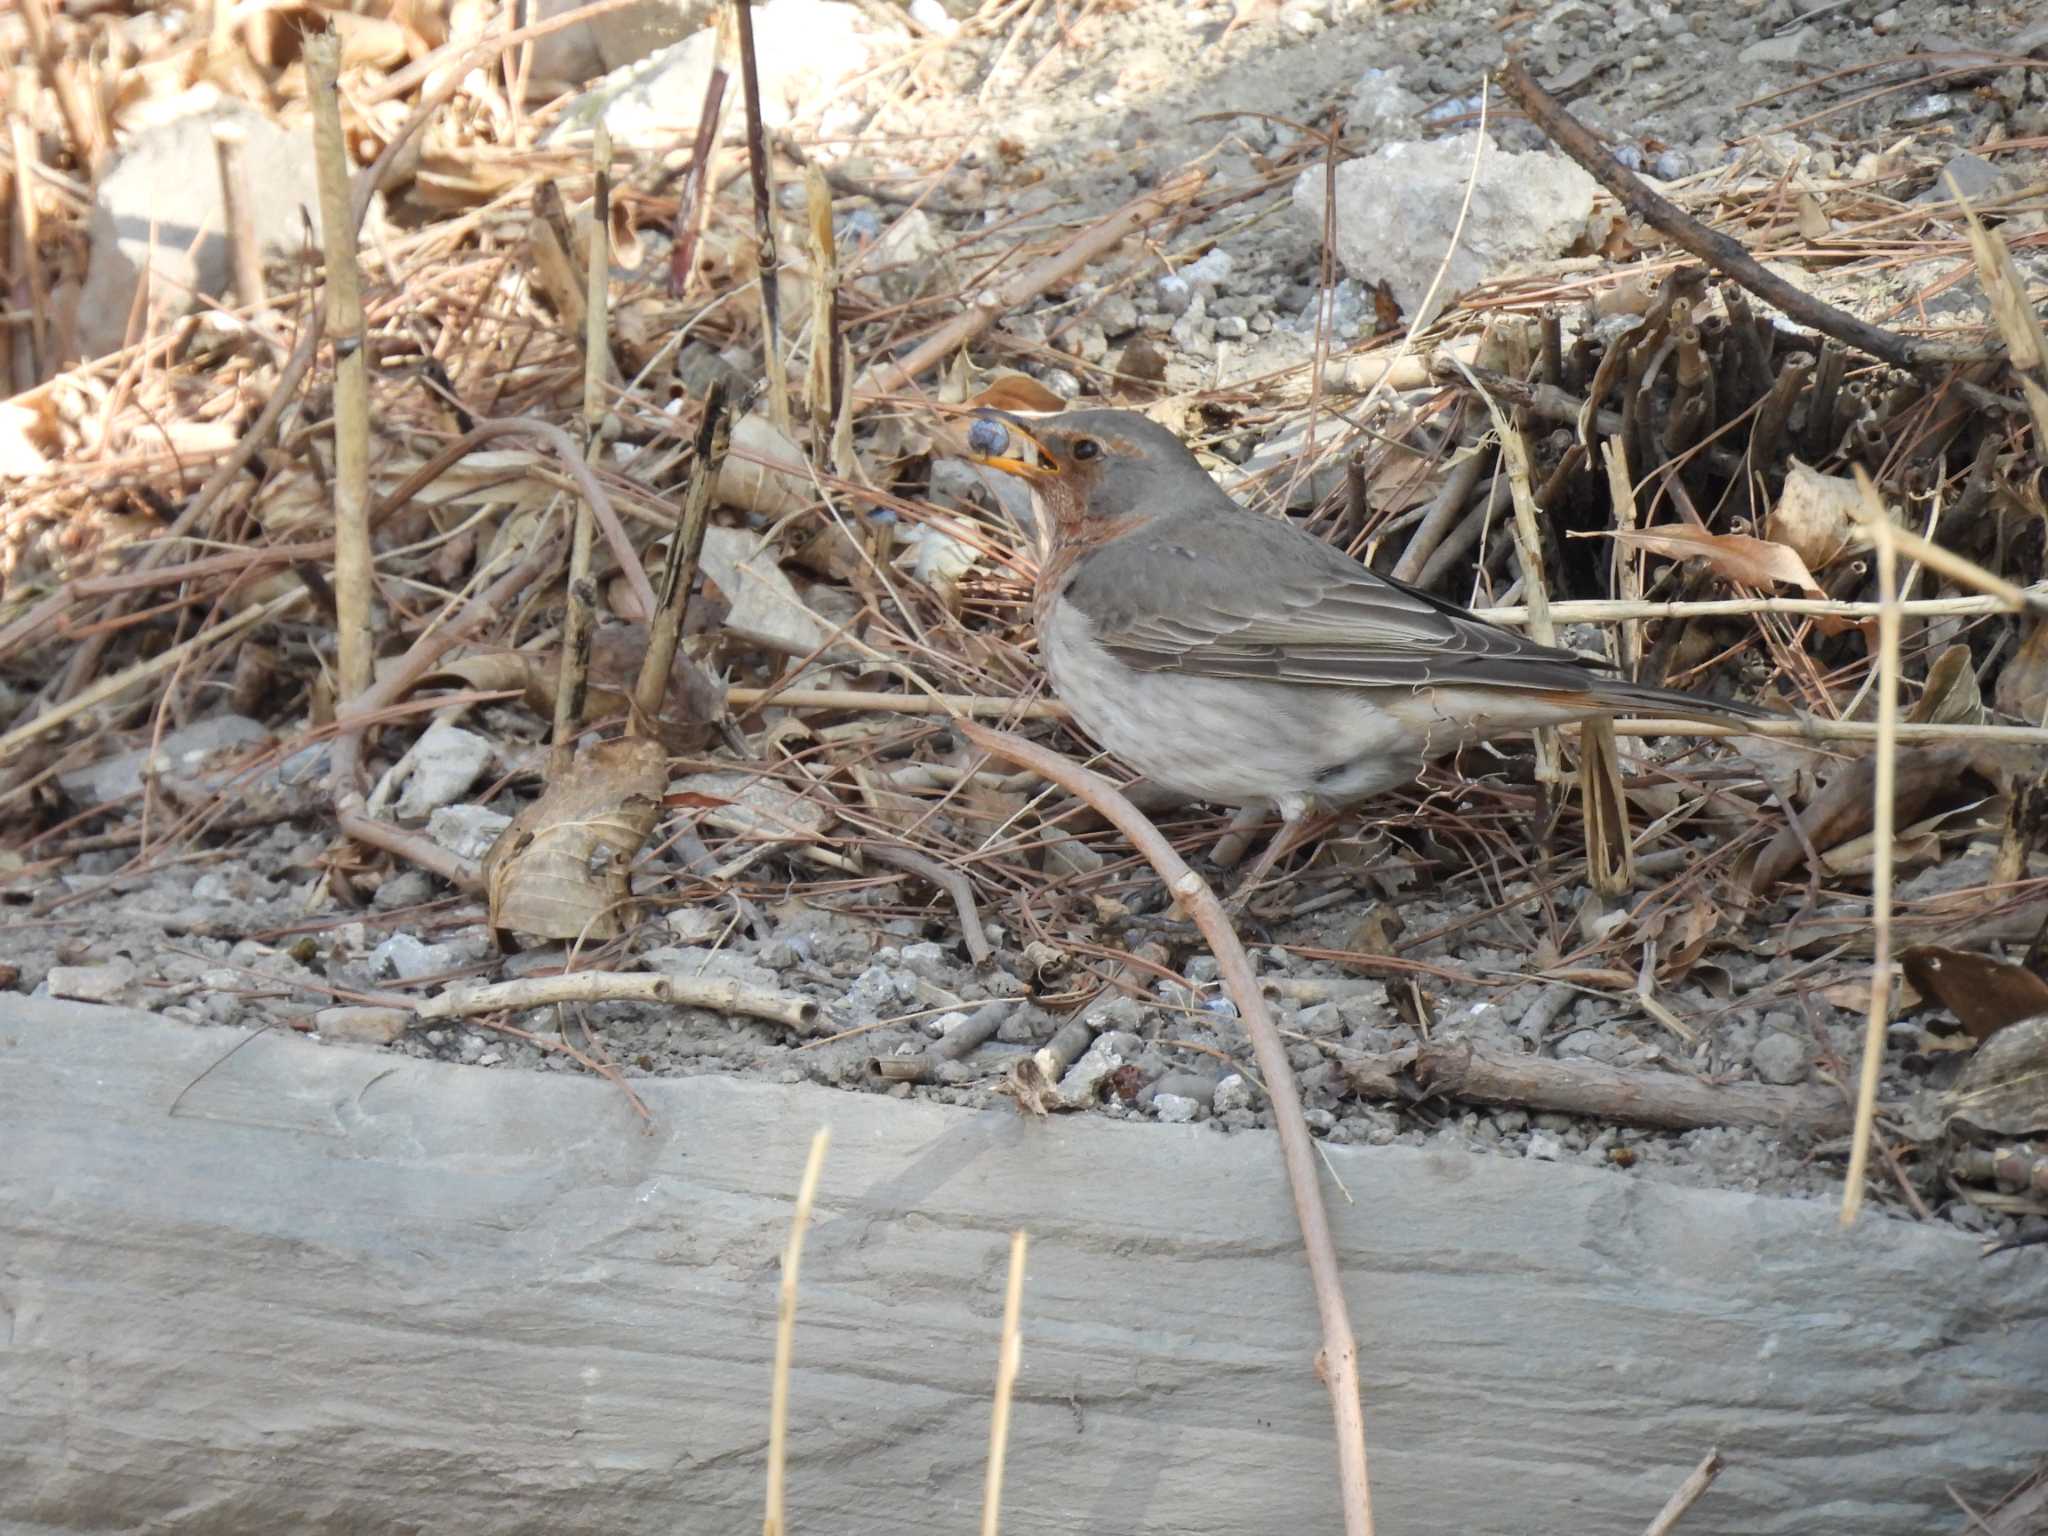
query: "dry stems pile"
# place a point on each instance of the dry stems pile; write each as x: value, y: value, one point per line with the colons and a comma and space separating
x: 1633, y: 440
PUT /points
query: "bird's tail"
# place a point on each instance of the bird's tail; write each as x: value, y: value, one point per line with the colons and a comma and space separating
x: 1619, y: 696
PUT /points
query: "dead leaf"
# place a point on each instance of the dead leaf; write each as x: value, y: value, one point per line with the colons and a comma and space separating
x: 1984, y: 994
x: 1815, y: 516
x: 559, y: 871
x: 2023, y: 682
x: 2003, y: 1088
x: 1951, y: 696
x: 1018, y: 392
x: 1842, y: 809
x: 1734, y: 556
x: 1813, y: 219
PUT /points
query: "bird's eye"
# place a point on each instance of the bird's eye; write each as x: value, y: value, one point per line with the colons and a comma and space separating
x: 1087, y: 448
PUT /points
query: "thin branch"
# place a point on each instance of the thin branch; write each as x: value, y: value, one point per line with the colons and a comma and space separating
x: 1717, y: 250
x: 1338, y: 1361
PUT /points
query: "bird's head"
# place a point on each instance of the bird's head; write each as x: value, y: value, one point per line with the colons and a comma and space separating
x: 1096, y: 474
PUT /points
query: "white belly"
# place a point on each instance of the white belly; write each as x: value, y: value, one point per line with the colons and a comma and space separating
x: 1254, y: 743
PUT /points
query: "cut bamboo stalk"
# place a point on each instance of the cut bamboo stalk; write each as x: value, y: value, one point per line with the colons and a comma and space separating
x: 354, y: 574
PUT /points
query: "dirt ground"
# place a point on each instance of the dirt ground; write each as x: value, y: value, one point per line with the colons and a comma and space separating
x: 1080, y: 109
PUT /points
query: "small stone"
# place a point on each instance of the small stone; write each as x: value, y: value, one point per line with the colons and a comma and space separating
x: 928, y: 960
x: 1211, y: 271
x: 1232, y: 1092
x: 409, y: 888
x: 1117, y: 315
x: 1928, y: 108
x: 472, y: 1048
x: 446, y: 760
x: 1173, y: 1109
x: 362, y: 1026
x: 468, y: 830
x: 1231, y: 328
x: 406, y: 958
x: 113, y: 982
x: 1322, y: 1019
x: 1785, y: 49
x: 1175, y: 293
x: 1886, y: 21
x: 1780, y: 1058
x: 1545, y: 1147
x: 1186, y: 1085
x: 1319, y: 1120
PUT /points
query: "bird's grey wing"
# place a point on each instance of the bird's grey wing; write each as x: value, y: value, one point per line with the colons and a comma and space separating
x: 1267, y: 603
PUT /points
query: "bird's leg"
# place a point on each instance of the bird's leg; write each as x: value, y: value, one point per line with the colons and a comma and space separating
x: 1237, y: 837
x: 1296, y: 827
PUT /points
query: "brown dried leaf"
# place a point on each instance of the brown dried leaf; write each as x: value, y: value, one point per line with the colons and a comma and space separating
x: 1735, y: 556
x: 1813, y: 219
x: 1018, y: 392
x: 559, y: 871
x: 1984, y: 994
x: 2023, y: 682
x: 2003, y: 1089
x: 1951, y: 696
x: 1842, y: 810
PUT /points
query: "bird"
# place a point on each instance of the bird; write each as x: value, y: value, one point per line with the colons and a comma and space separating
x: 1234, y: 658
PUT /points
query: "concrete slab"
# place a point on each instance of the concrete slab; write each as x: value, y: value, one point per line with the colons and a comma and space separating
x: 251, y: 1283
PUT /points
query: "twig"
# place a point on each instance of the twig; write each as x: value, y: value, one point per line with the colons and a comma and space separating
x: 354, y: 572
x: 717, y: 993
x: 1667, y: 1100
x: 1089, y: 245
x: 1879, y: 525
x: 1624, y: 611
x: 1688, y: 1494
x: 976, y: 704
x: 579, y: 598
x: 1007, y: 1358
x: 951, y: 881
x: 696, y: 187
x: 1338, y: 1361
x: 1717, y: 250
x: 237, y: 206
x: 679, y: 571
x: 785, y: 1330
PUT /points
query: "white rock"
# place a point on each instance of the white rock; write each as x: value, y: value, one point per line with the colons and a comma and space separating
x: 1778, y: 50
x: 766, y: 609
x: 805, y: 50
x: 1173, y: 1109
x: 908, y: 258
x: 113, y: 982
x: 1233, y: 1092
x: 165, y: 183
x: 446, y: 761
x: 1380, y: 98
x: 180, y: 752
x: 468, y: 830
x: 1396, y: 210
x: 408, y: 958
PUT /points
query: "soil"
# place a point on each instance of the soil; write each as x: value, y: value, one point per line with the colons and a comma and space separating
x: 1085, y: 107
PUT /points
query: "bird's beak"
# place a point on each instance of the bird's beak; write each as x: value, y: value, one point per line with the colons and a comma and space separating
x: 996, y: 439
